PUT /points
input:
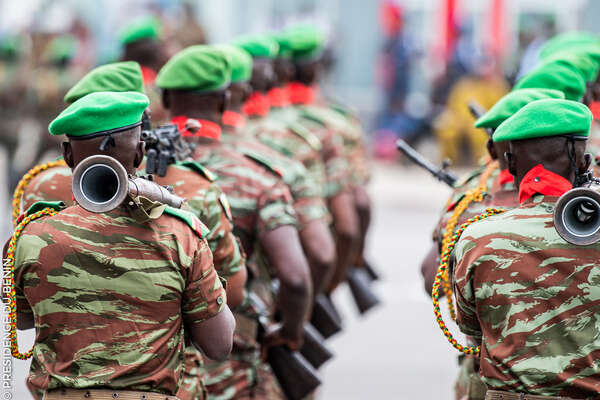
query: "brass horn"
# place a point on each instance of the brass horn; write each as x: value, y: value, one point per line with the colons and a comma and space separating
x: 100, y: 184
x: 577, y: 216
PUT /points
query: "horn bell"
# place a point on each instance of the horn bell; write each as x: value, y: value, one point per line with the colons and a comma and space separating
x: 577, y: 216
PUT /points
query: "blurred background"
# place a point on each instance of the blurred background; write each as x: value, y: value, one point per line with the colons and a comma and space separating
x: 408, y: 66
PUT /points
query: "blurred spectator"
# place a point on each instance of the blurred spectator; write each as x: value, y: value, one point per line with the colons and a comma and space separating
x: 532, y: 35
x: 454, y: 126
x: 189, y: 32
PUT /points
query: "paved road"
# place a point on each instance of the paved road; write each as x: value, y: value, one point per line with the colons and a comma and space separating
x: 396, y: 351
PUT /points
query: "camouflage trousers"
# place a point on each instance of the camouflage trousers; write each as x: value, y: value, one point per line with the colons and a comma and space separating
x: 244, y: 375
x: 468, y: 385
x: 192, y: 387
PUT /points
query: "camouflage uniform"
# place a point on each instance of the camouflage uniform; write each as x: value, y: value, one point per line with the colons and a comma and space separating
x: 531, y: 299
x: 143, y: 278
x: 53, y: 184
x: 260, y: 202
x: 308, y: 197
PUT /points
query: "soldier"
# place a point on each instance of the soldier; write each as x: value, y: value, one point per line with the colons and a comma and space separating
x: 188, y: 179
x: 311, y: 211
x: 194, y: 84
x: 499, y: 191
x: 109, y: 324
x: 526, y: 294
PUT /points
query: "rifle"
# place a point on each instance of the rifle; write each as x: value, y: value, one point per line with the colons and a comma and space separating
x: 325, y: 318
x: 295, y: 375
x: 371, y: 272
x: 359, y: 283
x: 163, y: 147
x: 477, y: 111
x: 440, y: 173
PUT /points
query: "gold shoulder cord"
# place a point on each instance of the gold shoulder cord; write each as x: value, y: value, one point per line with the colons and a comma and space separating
x: 473, y: 195
x: 20, y: 189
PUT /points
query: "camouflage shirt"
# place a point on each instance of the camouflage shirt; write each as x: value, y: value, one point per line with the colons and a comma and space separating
x: 260, y: 201
x: 531, y: 298
x: 110, y: 294
x: 53, y: 184
x: 308, y: 197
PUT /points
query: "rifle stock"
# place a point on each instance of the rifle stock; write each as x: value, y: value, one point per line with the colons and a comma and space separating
x: 371, y: 272
x: 359, y: 283
x: 325, y: 317
x: 295, y: 375
x: 314, y: 349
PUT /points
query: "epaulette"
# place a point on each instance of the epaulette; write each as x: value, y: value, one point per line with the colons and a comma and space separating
x: 208, y: 174
x: 264, y: 161
x: 40, y: 205
x: 312, y: 140
x: 190, y: 219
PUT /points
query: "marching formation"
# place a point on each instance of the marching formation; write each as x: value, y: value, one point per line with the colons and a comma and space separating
x: 515, y: 251
x: 187, y: 243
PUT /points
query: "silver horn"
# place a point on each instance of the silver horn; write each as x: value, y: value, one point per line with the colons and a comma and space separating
x: 577, y: 216
x: 100, y: 184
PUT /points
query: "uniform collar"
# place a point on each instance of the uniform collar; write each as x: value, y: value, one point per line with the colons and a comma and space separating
x: 279, y: 97
x: 257, y: 105
x: 148, y: 75
x: 300, y: 93
x: 540, y: 180
x: 193, y: 127
x: 505, y: 177
x: 233, y: 119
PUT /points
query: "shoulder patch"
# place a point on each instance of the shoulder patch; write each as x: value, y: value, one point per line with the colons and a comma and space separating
x: 264, y: 161
x: 307, y: 135
x: 190, y: 219
x: 40, y: 205
x: 193, y: 165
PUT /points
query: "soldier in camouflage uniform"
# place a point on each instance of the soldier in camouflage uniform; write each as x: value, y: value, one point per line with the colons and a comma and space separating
x: 523, y: 292
x: 263, y: 216
x: 188, y: 179
x: 338, y: 190
x: 500, y: 192
x: 311, y: 210
x: 107, y: 325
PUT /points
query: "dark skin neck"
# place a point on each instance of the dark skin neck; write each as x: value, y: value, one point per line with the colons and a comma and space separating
x: 496, y: 151
x: 263, y: 75
x: 128, y: 149
x: 308, y: 72
x: 207, y: 106
x: 239, y: 93
x: 551, y: 152
x: 285, y: 71
x: 147, y: 52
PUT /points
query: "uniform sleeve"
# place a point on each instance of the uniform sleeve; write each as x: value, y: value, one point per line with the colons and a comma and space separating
x: 228, y: 255
x: 25, y: 252
x: 204, y: 295
x: 465, y: 264
x: 308, y: 200
x: 275, y: 208
x: 337, y: 167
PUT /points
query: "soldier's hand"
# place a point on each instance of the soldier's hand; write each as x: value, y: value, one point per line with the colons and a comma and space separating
x: 277, y: 336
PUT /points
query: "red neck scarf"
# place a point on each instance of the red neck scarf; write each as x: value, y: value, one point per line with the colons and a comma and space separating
x: 233, y: 119
x: 540, y: 180
x: 257, y: 105
x: 279, y: 97
x: 192, y: 127
x: 148, y: 75
x: 299, y: 93
x: 505, y: 177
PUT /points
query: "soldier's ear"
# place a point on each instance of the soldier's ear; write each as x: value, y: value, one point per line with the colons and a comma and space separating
x: 511, y: 162
x: 139, y: 153
x: 67, y: 151
x: 491, y: 149
x: 587, y: 162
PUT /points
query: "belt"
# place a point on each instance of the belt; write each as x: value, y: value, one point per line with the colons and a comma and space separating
x: 502, y: 395
x: 103, y: 394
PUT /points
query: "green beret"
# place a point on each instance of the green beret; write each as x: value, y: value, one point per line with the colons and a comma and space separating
x: 545, y: 118
x: 561, y: 76
x: 125, y: 76
x: 513, y: 102
x: 144, y: 28
x: 568, y: 42
x: 586, y: 61
x: 98, y: 112
x: 59, y: 49
x: 285, y: 47
x: 200, y: 68
x: 306, y: 42
x: 240, y: 61
x: 10, y: 47
x: 261, y: 46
